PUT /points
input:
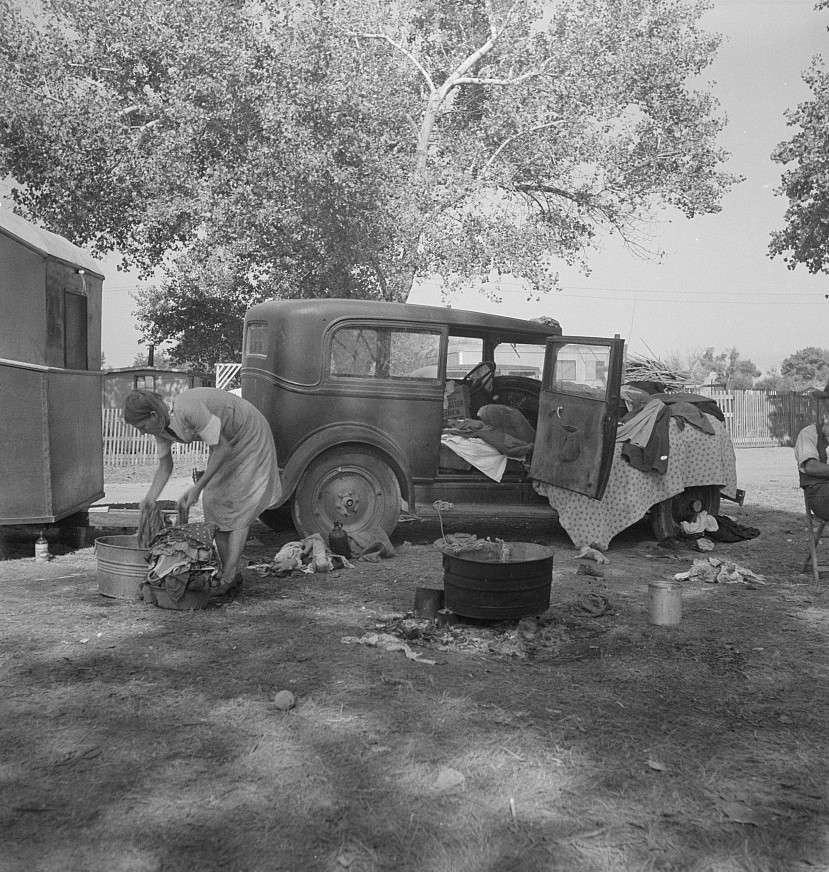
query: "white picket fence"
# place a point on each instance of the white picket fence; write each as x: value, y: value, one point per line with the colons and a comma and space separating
x: 757, y: 419
x: 125, y: 446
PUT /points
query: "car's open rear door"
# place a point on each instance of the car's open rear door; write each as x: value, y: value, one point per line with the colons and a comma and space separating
x: 578, y: 413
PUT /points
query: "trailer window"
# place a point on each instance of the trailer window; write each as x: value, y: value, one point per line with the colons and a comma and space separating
x: 386, y: 353
x: 256, y: 338
x: 74, y: 331
x: 145, y: 383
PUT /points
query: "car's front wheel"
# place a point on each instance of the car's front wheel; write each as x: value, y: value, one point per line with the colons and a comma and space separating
x: 667, y: 516
x: 351, y: 485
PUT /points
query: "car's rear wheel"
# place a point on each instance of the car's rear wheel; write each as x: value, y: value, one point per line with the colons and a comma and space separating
x: 667, y: 516
x: 351, y: 485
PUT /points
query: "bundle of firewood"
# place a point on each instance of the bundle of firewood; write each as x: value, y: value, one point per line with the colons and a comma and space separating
x: 647, y: 369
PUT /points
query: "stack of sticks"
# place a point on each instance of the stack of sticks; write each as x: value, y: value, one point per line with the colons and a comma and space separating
x: 645, y: 369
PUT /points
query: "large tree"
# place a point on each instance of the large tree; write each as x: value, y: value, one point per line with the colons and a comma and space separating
x: 806, y: 368
x: 727, y: 367
x: 345, y: 148
x: 805, y: 236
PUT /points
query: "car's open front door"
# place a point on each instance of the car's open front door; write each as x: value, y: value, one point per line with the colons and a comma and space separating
x: 578, y: 413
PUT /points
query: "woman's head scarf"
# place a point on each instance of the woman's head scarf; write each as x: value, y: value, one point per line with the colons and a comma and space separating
x: 139, y: 405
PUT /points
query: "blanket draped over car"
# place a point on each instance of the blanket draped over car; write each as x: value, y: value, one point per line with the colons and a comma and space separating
x: 695, y: 458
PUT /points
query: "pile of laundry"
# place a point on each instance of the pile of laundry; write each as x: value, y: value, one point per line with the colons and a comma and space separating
x: 494, y: 550
x: 306, y: 556
x: 729, y: 530
x: 182, y: 558
x: 497, y: 434
x: 712, y: 570
x: 311, y: 554
x: 644, y: 430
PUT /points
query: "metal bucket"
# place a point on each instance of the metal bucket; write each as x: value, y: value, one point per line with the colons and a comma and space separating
x: 665, y: 607
x: 122, y: 566
x: 428, y: 602
x: 478, y: 586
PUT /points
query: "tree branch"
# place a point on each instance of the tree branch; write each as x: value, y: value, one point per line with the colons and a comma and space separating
x: 580, y: 199
x: 490, y: 14
x: 515, y: 136
x: 474, y: 80
x: 386, y: 38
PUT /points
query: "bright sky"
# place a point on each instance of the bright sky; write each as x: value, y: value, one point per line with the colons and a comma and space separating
x: 716, y: 285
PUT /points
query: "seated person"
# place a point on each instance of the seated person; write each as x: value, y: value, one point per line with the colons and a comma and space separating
x: 810, y: 453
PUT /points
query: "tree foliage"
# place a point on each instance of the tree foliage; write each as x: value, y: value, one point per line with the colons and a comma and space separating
x: 725, y: 367
x: 806, y: 368
x: 297, y: 149
x: 160, y: 359
x: 805, y: 236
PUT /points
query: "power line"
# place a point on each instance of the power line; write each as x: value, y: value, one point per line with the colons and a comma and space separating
x: 698, y: 293
x: 713, y: 302
x: 683, y: 293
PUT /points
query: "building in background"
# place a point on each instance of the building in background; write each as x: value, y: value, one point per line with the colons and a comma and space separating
x: 167, y: 382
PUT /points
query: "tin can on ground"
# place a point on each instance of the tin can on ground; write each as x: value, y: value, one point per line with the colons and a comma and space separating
x: 428, y: 602
x: 665, y: 606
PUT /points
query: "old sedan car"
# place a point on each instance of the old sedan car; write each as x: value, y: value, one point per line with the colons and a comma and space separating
x: 364, y: 399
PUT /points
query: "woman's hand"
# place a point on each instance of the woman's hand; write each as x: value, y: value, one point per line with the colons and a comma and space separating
x: 187, y: 499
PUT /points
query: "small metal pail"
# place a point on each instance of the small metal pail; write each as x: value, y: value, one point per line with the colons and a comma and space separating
x: 665, y: 606
x: 428, y: 602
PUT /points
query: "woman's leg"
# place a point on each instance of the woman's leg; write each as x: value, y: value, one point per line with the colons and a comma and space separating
x: 229, y: 544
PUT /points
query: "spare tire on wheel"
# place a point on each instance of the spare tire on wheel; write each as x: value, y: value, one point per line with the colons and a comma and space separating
x: 351, y: 484
x: 667, y: 516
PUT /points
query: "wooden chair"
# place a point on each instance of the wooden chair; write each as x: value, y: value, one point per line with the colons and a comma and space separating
x: 814, y: 543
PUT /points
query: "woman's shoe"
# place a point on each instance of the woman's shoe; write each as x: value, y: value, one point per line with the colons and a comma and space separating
x: 232, y: 590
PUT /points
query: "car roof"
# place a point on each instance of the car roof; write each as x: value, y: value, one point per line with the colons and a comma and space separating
x: 460, y: 321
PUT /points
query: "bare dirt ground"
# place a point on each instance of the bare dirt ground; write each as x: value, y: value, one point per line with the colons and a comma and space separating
x: 136, y: 739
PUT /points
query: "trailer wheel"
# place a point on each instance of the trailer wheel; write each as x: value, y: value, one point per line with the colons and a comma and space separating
x: 351, y: 485
x: 667, y: 516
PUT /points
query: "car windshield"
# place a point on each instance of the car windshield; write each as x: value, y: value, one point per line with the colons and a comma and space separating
x: 519, y: 359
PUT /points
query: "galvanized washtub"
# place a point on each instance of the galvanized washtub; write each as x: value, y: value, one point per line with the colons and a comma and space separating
x: 122, y: 566
x: 511, y: 580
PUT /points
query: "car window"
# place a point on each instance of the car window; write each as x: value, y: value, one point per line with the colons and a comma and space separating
x: 582, y: 369
x: 384, y: 352
x: 522, y: 359
x: 465, y: 352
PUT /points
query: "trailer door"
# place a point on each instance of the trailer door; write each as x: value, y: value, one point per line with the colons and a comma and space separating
x: 578, y: 413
